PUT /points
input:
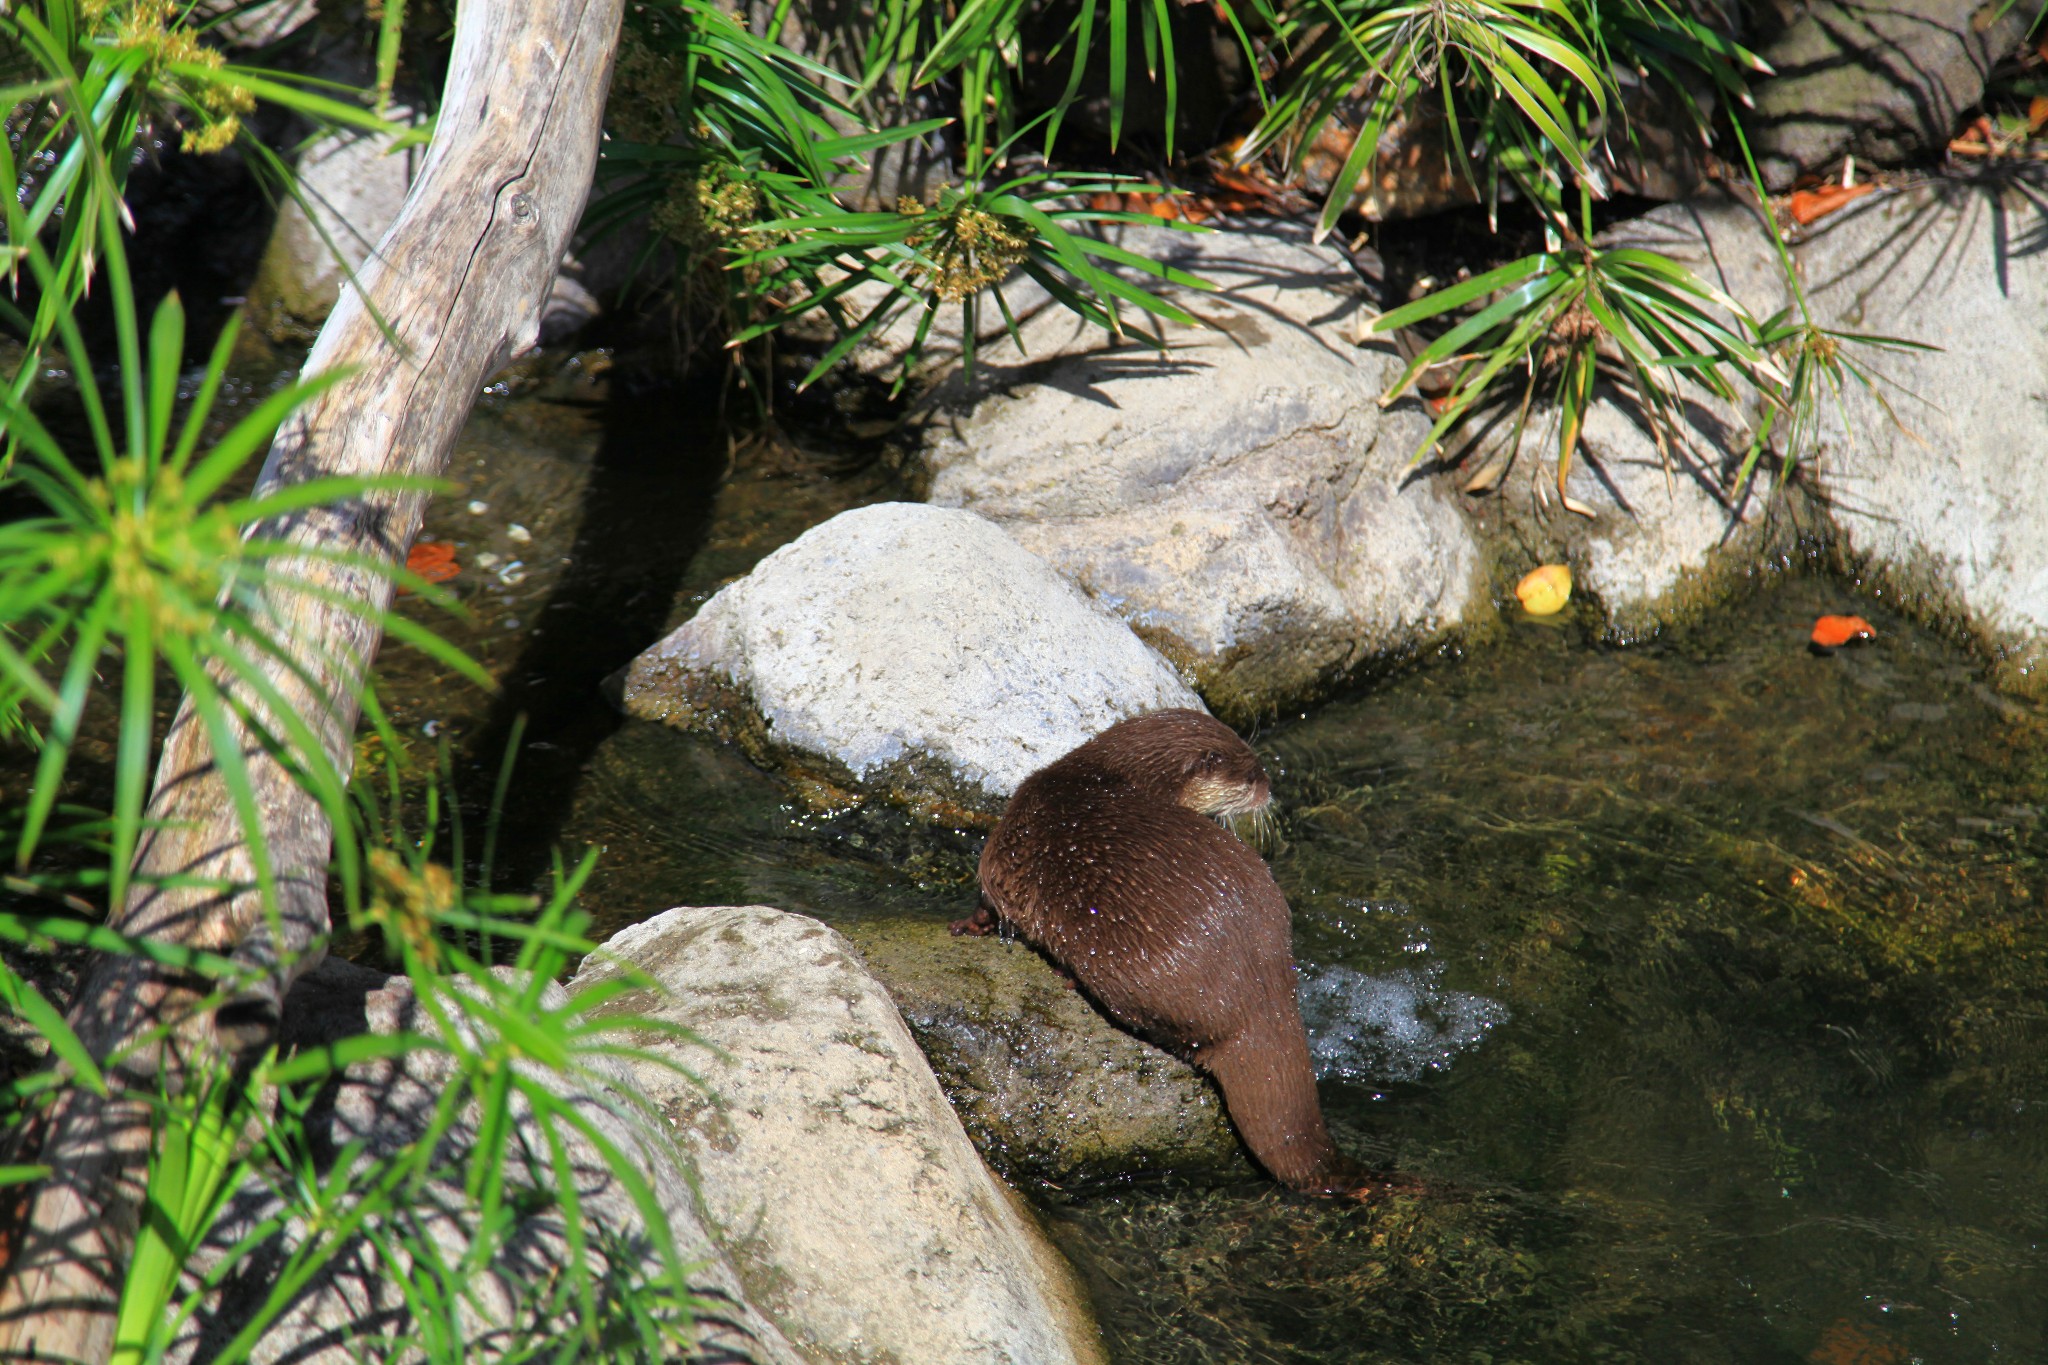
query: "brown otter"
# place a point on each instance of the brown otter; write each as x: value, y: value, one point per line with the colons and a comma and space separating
x: 1107, y: 860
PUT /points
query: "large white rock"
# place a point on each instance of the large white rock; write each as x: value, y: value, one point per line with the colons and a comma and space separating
x: 1238, y: 499
x: 915, y: 648
x: 856, y: 1211
x: 1953, y: 518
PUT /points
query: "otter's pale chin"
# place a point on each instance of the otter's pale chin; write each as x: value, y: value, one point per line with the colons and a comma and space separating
x: 1225, y: 799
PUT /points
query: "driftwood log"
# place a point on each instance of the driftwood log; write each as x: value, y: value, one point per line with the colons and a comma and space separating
x: 460, y: 278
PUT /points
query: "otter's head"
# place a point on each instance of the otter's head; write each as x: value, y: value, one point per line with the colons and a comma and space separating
x: 1187, y: 757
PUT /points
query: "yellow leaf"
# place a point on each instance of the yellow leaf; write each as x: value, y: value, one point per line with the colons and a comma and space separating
x: 1544, y: 591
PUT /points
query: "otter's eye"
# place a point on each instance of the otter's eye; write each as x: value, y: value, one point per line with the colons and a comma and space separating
x: 1212, y: 759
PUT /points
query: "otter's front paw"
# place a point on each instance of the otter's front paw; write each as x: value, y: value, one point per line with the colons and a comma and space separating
x: 980, y: 924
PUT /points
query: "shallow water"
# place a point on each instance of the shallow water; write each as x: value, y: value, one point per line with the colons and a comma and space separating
x: 1698, y: 985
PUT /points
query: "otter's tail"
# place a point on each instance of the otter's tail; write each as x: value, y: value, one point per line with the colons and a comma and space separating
x: 1270, y: 1088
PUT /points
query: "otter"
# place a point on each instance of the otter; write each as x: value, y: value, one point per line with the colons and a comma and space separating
x: 1111, y: 861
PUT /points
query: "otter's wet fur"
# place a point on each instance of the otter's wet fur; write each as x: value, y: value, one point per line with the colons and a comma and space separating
x: 1112, y: 861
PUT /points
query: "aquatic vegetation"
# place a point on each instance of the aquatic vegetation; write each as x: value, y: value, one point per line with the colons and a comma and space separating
x: 1268, y: 1278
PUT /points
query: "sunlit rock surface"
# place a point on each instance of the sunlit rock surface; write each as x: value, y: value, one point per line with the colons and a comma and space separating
x: 857, y: 1211
x: 916, y: 649
x: 1953, y: 517
x: 355, y: 1303
x: 1238, y: 499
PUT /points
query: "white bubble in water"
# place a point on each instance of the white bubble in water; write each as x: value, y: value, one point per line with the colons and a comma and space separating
x: 1389, y: 1028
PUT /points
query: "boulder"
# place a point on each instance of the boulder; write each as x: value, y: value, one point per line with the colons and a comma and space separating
x: 1884, y: 82
x: 1050, y: 1090
x: 351, y: 186
x: 1944, y: 509
x: 915, y: 650
x: 857, y: 1211
x: 1237, y: 498
x: 354, y: 1304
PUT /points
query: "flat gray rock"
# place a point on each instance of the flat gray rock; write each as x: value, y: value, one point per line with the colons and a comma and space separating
x: 1952, y: 519
x: 858, y: 1213
x: 916, y: 649
x: 1238, y: 499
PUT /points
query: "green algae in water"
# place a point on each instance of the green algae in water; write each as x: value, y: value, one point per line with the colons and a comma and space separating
x: 1769, y: 928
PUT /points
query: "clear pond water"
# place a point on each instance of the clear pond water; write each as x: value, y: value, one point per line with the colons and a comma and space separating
x: 1700, y: 984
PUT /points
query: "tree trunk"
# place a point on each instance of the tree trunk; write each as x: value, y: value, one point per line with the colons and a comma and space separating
x: 460, y: 278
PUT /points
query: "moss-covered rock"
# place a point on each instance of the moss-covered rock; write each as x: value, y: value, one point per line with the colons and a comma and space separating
x: 1050, y: 1090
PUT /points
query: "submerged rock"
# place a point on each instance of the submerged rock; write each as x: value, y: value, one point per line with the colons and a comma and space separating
x: 915, y: 649
x: 1884, y: 82
x: 1946, y: 507
x: 858, y: 1213
x: 356, y: 1303
x: 1238, y: 499
x: 1050, y: 1089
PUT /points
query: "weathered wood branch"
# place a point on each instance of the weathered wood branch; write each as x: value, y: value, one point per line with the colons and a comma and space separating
x: 460, y: 277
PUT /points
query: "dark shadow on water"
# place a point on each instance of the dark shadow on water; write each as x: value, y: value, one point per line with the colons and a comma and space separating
x: 646, y: 512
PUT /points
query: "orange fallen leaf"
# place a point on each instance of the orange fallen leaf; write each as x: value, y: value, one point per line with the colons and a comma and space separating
x: 1832, y: 632
x: 433, y: 560
x: 2037, y: 113
x: 1807, y: 206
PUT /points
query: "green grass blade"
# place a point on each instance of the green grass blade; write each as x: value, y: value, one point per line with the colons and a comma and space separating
x: 166, y: 358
